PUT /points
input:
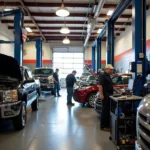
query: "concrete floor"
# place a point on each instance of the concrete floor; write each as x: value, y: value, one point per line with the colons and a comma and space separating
x: 57, y: 126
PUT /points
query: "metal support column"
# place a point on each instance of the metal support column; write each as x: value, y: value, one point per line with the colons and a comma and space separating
x: 139, y: 34
x: 110, y: 43
x: 18, y: 47
x: 38, y: 53
x: 93, y: 57
x: 98, y: 54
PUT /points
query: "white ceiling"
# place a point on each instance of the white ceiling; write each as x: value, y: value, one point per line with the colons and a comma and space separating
x: 73, y: 10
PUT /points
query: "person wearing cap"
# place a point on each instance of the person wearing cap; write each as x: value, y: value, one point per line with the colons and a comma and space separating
x: 70, y: 80
x: 106, y: 89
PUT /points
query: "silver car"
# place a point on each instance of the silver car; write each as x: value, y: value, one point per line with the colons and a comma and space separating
x: 143, y: 124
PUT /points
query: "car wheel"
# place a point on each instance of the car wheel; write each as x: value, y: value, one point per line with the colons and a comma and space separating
x: 35, y: 104
x: 19, y: 122
x: 91, y: 99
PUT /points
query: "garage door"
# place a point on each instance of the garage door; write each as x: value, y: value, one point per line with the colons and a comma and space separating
x: 66, y: 62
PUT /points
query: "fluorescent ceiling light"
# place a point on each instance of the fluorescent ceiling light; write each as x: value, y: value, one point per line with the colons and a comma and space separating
x: 62, y: 11
x: 8, y: 9
x: 28, y: 29
x: 64, y: 30
x: 99, y: 31
x: 110, y: 12
x: 66, y: 40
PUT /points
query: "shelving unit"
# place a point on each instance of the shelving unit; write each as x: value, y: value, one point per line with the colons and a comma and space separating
x: 123, y: 129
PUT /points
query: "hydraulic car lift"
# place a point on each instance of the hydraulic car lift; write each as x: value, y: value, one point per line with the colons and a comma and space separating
x: 138, y: 39
x: 38, y: 46
x: 18, y: 43
x: 18, y: 24
x: 141, y: 65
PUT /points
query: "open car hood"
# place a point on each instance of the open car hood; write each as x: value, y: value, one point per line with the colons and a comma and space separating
x: 88, y: 67
x: 9, y: 67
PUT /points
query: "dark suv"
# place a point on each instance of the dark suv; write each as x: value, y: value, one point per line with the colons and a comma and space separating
x: 45, y: 75
x: 18, y: 90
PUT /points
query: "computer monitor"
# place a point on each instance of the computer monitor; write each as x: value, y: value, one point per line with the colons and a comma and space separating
x: 130, y: 84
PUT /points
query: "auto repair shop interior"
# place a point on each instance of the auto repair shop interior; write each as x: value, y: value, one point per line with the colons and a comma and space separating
x: 39, y: 36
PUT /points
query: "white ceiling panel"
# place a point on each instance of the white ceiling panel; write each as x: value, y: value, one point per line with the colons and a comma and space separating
x: 61, y: 25
x: 78, y: 31
x: 68, y: 49
x: 53, y: 9
x: 73, y: 35
x: 84, y: 10
x: 61, y: 18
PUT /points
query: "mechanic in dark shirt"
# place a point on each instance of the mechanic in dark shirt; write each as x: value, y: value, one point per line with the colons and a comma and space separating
x: 70, y: 80
x: 56, y: 83
x: 106, y: 89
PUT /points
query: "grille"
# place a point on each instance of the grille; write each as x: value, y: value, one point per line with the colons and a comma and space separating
x: 144, y: 129
x: 1, y: 96
x: 44, y: 80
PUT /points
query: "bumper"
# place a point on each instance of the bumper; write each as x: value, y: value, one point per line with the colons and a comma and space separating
x: 46, y: 86
x: 80, y: 96
x: 98, y: 106
x: 10, y: 110
x: 137, y: 146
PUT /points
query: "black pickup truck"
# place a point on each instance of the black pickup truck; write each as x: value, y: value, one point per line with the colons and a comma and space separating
x: 18, y: 90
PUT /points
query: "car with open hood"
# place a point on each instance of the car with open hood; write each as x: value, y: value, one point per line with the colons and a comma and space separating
x: 18, y: 90
x: 87, y: 92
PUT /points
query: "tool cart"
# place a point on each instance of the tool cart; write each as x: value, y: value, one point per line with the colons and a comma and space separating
x: 123, y: 121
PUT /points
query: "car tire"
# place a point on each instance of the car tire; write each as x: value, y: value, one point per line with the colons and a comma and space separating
x: 19, y: 122
x: 91, y: 99
x: 35, y: 104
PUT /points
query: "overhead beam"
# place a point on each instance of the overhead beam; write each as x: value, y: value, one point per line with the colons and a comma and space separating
x: 122, y: 6
x: 57, y: 37
x: 48, y: 22
x: 29, y: 14
x: 71, y: 28
x: 39, y: 4
x: 61, y: 38
x: 123, y: 23
x: 58, y: 33
x: 61, y: 22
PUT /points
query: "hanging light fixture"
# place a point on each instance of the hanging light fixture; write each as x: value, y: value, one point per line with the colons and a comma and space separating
x: 66, y: 40
x: 62, y: 11
x: 65, y: 29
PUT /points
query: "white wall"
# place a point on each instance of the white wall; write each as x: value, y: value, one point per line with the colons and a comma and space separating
x: 148, y: 25
x: 6, y: 35
x: 124, y: 41
x: 123, y: 46
x: 88, y: 52
x: 30, y: 51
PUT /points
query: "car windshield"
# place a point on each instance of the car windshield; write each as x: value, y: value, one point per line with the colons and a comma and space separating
x: 91, y: 78
x: 43, y: 71
x: 121, y: 79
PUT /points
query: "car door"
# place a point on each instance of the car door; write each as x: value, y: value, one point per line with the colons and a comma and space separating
x: 31, y: 87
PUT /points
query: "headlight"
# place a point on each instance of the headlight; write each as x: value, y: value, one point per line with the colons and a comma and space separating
x: 10, y: 96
